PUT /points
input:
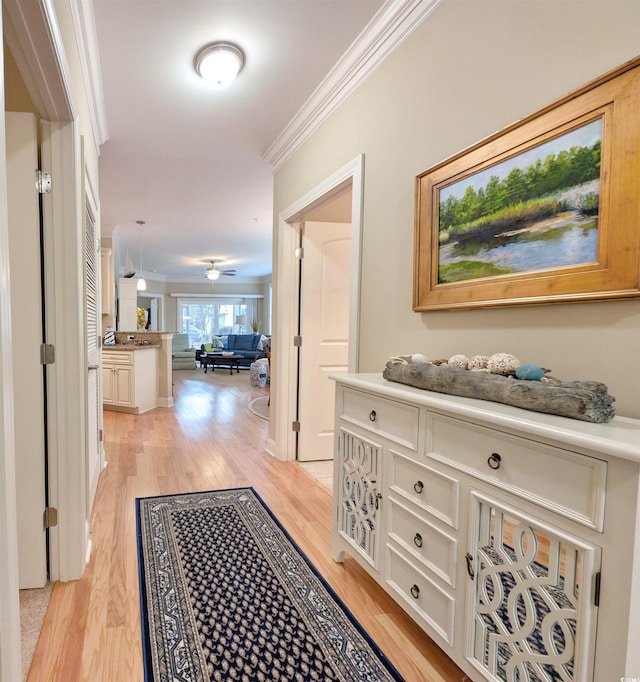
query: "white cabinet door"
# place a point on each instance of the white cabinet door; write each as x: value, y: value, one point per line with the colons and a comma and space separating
x: 531, y: 612
x: 359, y: 461
x: 123, y: 380
x: 108, y: 387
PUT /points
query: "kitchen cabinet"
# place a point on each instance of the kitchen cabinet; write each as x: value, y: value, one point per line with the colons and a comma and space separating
x: 130, y: 379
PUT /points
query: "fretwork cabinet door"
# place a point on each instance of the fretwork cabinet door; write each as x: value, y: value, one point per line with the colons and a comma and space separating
x: 359, y: 461
x: 532, y: 597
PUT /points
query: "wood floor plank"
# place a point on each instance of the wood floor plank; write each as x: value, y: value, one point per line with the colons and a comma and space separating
x: 209, y: 440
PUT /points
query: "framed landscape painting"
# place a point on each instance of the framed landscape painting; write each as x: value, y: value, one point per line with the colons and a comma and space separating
x: 545, y: 211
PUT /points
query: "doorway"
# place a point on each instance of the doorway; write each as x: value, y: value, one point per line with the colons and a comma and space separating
x: 153, y: 305
x: 345, y: 189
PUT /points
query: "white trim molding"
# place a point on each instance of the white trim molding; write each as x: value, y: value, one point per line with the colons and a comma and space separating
x: 285, y: 385
x: 34, y: 39
x: 392, y: 24
x: 10, y: 661
x: 85, y: 30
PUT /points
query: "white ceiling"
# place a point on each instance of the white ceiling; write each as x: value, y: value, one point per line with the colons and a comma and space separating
x: 187, y: 159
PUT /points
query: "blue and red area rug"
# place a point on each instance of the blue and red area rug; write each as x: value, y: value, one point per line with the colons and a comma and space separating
x: 227, y: 595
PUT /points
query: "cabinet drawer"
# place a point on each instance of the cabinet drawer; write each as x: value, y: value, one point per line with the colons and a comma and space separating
x: 124, y: 357
x: 431, y: 490
x: 396, y: 421
x: 432, y: 604
x: 566, y: 482
x: 423, y: 540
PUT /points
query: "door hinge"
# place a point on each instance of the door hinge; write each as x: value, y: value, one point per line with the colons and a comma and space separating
x: 50, y: 518
x: 299, y: 253
x: 43, y: 182
x: 297, y: 341
x: 47, y: 354
x: 596, y: 590
x: 100, y: 435
x: 295, y: 426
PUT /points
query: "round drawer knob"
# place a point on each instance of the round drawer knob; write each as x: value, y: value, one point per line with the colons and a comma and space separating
x: 415, y: 591
x: 418, y: 486
x: 417, y: 540
x: 372, y: 415
x: 494, y: 461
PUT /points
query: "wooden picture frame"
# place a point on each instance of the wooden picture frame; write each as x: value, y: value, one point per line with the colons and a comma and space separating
x: 500, y: 223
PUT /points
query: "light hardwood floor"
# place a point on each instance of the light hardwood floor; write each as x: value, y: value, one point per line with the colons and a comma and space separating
x: 209, y: 440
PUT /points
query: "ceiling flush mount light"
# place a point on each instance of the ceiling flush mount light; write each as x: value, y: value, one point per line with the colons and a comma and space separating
x: 219, y: 63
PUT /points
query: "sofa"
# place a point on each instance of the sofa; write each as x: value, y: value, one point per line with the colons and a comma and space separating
x: 183, y: 357
x: 246, y: 345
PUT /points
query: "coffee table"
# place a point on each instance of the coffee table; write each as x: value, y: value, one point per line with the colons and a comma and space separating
x: 213, y: 359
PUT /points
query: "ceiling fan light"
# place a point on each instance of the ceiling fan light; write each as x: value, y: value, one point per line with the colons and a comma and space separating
x: 213, y: 274
x: 219, y: 63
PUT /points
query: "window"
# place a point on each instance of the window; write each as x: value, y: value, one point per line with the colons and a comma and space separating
x: 203, y: 319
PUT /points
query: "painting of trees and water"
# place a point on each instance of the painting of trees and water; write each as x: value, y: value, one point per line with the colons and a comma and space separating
x: 534, y: 211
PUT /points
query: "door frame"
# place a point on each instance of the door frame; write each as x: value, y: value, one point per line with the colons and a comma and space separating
x: 10, y: 646
x: 34, y: 38
x: 284, y: 354
x: 159, y: 299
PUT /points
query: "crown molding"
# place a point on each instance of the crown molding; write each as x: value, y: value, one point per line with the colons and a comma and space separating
x: 85, y: 30
x: 392, y: 24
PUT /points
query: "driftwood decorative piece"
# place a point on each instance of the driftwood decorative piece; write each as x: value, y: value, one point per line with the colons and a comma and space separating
x: 585, y: 400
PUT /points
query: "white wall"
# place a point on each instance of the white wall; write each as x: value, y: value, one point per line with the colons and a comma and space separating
x: 473, y: 67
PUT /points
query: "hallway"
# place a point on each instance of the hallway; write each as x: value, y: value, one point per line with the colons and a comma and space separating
x: 209, y: 440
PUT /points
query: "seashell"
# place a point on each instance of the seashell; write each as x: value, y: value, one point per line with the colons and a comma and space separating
x: 439, y: 362
x: 503, y: 363
x: 414, y: 359
x: 530, y: 372
x: 478, y: 362
x: 458, y: 361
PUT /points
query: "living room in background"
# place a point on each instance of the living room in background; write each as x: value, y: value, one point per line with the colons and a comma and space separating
x: 203, y: 318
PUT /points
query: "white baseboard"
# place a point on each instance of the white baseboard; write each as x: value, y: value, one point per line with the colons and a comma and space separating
x: 88, y: 543
x: 271, y: 448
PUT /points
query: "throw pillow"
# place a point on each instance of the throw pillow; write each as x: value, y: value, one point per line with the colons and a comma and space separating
x: 247, y: 341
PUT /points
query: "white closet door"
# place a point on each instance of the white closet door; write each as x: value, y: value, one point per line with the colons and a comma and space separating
x: 26, y: 324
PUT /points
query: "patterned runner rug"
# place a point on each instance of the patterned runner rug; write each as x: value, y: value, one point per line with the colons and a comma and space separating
x: 227, y: 595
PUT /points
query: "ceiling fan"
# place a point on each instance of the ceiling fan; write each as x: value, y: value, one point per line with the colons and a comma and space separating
x: 213, y: 272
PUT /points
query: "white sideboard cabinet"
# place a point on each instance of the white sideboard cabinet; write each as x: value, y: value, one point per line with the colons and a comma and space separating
x: 511, y: 537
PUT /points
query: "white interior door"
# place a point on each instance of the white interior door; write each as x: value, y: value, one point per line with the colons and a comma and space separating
x: 26, y: 325
x: 324, y: 327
